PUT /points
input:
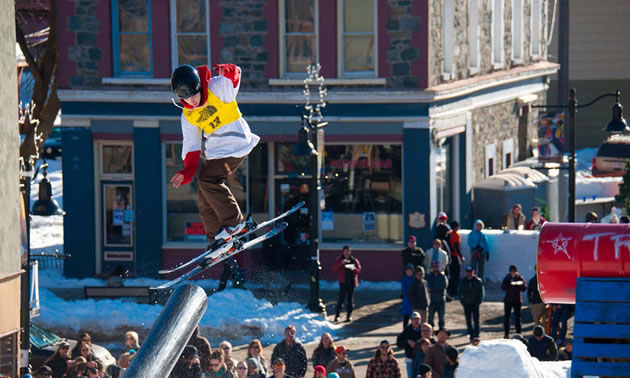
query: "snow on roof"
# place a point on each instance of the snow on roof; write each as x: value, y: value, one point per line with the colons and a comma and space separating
x: 505, y: 181
x: 528, y: 173
x: 618, y: 139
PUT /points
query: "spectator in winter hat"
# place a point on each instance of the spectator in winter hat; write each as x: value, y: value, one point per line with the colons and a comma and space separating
x: 383, y: 364
x: 425, y: 371
x: 319, y: 372
x: 442, y: 230
x: 408, y: 339
x: 188, y: 365
x: 437, y: 254
x: 341, y: 364
x: 513, y: 284
x: 253, y: 368
x: 471, y: 293
x: 412, y: 254
x: 478, y: 245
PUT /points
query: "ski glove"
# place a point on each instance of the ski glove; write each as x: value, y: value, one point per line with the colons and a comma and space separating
x: 191, y: 162
x: 230, y: 71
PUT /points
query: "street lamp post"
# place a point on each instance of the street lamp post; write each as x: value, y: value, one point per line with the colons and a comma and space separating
x: 309, y: 145
x: 617, y: 125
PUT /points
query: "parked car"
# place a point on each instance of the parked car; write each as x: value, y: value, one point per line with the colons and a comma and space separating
x: 44, y: 344
x: 612, y: 156
x: 52, y: 145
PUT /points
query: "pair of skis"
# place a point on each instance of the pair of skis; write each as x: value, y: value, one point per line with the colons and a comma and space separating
x: 228, y: 249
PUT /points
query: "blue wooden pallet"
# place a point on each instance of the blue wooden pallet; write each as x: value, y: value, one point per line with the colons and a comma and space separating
x: 602, y: 327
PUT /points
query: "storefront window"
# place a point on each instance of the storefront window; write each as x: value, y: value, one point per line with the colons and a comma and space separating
x: 8, y: 355
x: 363, y: 192
x: 118, y: 215
x: 182, y: 208
x: 289, y: 164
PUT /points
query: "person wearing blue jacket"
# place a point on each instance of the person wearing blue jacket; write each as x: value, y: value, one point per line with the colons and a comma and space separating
x: 478, y: 243
x: 405, y: 283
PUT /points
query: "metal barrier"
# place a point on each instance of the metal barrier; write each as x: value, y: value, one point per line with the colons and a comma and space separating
x: 49, y: 261
x: 170, y: 333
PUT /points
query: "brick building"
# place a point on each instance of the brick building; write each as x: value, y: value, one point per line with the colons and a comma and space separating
x: 425, y: 97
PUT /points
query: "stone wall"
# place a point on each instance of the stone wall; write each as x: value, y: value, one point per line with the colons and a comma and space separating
x: 401, y: 54
x: 9, y: 145
x: 243, y: 28
x: 495, y: 124
x: 85, y: 51
x: 461, y: 38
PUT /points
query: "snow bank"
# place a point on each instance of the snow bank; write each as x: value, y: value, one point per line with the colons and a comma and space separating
x: 232, y: 314
x: 507, y: 358
x: 596, y: 186
x: 507, y: 248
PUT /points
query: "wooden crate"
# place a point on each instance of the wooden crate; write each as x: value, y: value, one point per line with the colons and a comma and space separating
x: 601, y: 333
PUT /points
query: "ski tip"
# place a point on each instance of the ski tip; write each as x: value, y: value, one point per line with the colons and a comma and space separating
x: 300, y: 204
x: 164, y: 271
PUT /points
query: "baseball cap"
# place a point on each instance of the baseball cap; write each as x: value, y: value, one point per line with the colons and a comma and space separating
x: 411, y: 238
x: 341, y: 349
x: 278, y: 361
x: 469, y: 268
x: 251, y: 362
x: 415, y: 315
x: 442, y: 215
x: 189, y: 351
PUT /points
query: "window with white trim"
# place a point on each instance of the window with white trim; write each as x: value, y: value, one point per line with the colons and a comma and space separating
x: 508, y: 153
x: 497, y: 33
x: 447, y: 39
x: 491, y: 160
x: 357, y: 38
x: 473, y: 35
x: 298, y: 36
x: 536, y: 28
x: 517, y: 30
x: 190, y: 31
x: 131, y: 33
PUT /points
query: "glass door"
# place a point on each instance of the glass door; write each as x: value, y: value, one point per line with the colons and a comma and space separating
x: 118, y: 225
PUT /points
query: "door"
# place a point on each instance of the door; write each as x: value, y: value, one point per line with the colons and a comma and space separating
x: 294, y: 241
x: 118, y: 225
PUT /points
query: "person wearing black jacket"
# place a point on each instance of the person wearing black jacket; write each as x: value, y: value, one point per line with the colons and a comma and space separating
x: 408, y: 339
x: 413, y: 254
x: 292, y: 353
x: 536, y: 305
x: 419, y: 293
x: 542, y: 346
x: 513, y: 284
x: 471, y: 293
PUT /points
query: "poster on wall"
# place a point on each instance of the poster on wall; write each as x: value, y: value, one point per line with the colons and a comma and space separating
x: 328, y: 221
x: 369, y: 221
x: 551, y: 136
x: 195, y: 231
x: 117, y: 217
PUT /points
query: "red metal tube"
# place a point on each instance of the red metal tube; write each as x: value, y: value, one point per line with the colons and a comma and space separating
x: 567, y: 251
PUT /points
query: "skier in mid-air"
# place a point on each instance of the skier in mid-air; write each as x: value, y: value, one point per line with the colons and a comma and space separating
x: 210, y: 110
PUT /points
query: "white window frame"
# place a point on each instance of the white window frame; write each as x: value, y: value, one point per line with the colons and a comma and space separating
x: 115, y: 176
x: 282, y: 27
x: 448, y: 12
x: 473, y: 37
x: 491, y: 153
x: 517, y: 31
x: 497, y: 32
x: 174, y: 34
x: 341, y: 72
x: 536, y: 28
x: 508, y: 148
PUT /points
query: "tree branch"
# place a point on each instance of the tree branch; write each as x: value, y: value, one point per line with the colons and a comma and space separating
x: 32, y: 64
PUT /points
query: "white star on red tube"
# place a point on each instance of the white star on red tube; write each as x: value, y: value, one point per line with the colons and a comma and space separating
x: 560, y: 244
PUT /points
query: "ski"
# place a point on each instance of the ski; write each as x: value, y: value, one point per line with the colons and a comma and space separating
x: 235, y: 247
x: 226, y: 245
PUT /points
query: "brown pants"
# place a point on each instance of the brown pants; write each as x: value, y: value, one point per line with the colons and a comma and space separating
x: 538, y: 314
x: 217, y: 205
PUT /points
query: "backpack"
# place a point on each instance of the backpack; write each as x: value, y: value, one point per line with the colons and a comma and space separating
x: 400, y: 340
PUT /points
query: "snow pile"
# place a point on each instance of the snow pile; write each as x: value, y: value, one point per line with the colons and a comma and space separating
x: 506, y: 248
x: 232, y: 314
x: 507, y: 358
x: 599, y: 187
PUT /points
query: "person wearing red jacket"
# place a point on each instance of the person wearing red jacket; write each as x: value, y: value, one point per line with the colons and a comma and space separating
x: 348, y: 268
x: 209, y: 110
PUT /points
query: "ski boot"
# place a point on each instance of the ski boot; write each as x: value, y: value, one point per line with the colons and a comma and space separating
x: 226, y: 234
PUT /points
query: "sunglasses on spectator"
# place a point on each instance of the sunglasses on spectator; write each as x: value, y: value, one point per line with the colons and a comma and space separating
x: 225, y: 348
x: 278, y: 364
x: 214, y: 364
x: 291, y: 333
x: 255, y: 347
x: 385, y: 347
x: 241, y: 368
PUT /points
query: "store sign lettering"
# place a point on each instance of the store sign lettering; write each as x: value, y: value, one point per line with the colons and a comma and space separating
x: 195, y: 231
x: 361, y: 163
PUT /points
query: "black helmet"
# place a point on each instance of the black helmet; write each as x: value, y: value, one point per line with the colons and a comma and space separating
x: 185, y: 81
